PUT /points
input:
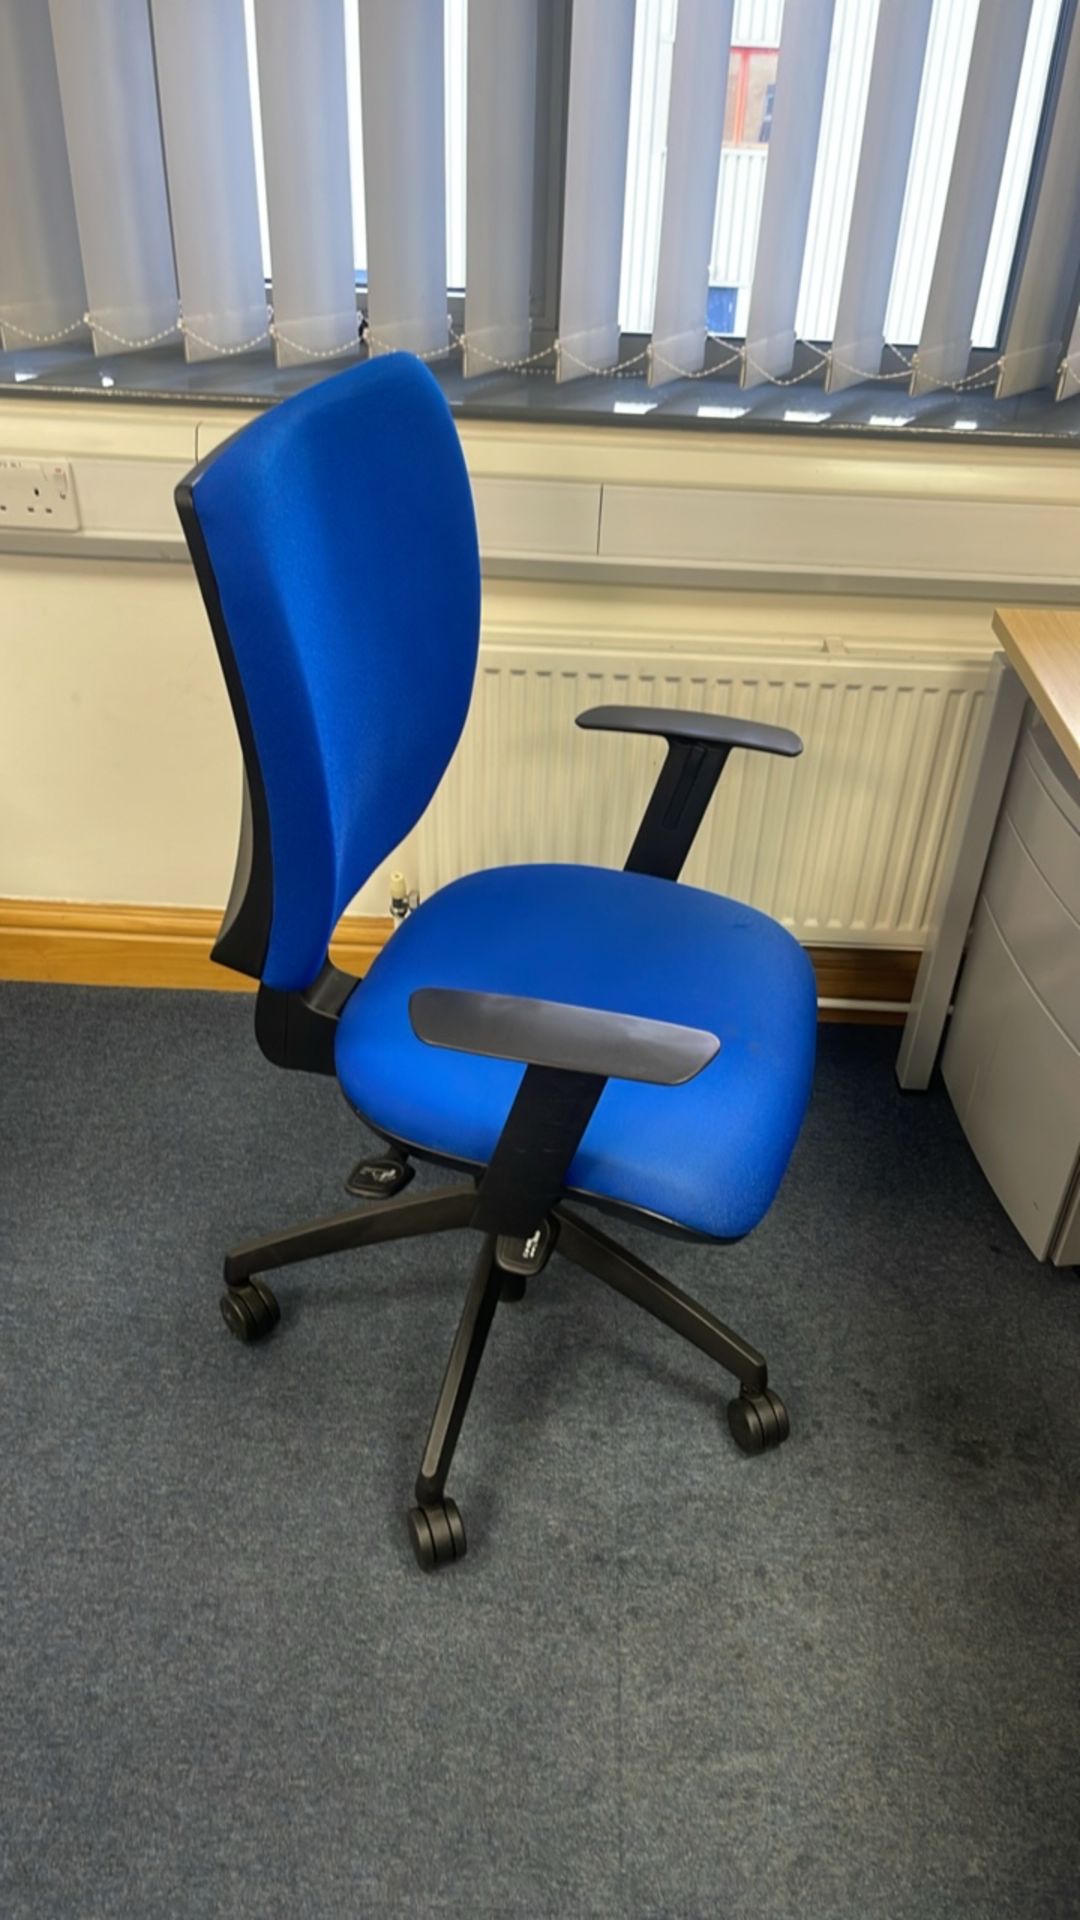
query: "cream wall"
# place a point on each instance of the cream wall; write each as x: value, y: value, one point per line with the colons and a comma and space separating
x: 119, y: 768
x: 119, y: 771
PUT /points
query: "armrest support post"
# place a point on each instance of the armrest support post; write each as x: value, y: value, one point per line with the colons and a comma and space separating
x: 526, y: 1173
x: 569, y: 1054
x: 698, y: 748
x: 676, y: 809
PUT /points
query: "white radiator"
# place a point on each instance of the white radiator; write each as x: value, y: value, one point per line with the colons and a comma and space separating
x: 841, y: 845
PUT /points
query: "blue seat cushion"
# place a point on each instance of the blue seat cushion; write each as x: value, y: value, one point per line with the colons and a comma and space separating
x: 707, y: 1156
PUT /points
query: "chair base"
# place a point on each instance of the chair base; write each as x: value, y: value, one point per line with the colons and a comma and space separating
x: 757, y: 1417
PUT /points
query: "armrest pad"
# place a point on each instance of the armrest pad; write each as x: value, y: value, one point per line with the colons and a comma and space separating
x: 699, y: 729
x: 547, y: 1033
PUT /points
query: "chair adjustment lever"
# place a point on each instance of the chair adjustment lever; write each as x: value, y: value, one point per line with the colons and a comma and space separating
x: 379, y: 1176
x: 526, y: 1256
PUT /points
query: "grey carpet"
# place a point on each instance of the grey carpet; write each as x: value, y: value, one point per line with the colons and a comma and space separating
x: 840, y: 1682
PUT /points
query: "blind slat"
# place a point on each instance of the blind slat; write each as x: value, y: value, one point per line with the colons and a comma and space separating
x: 601, y: 60
x: 695, y: 133
x: 201, y: 52
x: 1047, y: 279
x: 108, y: 93
x: 41, y: 279
x: 305, y: 125
x: 401, y: 84
x: 789, y: 180
x: 501, y: 136
x: 1069, y: 373
x: 891, y: 105
x: 997, y: 55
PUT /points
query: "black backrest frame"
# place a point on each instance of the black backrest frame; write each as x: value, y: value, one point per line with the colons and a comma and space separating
x: 293, y: 1029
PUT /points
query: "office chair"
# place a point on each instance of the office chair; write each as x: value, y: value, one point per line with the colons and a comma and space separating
x: 546, y: 1033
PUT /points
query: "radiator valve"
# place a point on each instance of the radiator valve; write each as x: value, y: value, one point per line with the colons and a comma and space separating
x: 402, y: 901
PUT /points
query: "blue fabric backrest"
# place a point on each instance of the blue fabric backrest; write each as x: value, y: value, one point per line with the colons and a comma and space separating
x: 341, y: 533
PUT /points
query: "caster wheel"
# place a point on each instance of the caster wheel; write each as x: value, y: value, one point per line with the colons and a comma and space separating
x: 758, y: 1421
x: 250, y: 1312
x: 437, y: 1534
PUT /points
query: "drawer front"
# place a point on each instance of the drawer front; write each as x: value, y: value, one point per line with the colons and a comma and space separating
x: 1015, y: 1084
x: 1054, y: 771
x: 1040, y: 933
x: 1047, y: 820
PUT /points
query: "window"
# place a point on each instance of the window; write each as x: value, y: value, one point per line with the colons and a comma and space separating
x: 841, y: 172
x: 455, y: 55
x: 750, y: 95
x: 751, y: 89
x: 751, y: 86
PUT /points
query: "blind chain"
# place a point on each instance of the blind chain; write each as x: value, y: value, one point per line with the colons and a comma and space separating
x: 532, y: 363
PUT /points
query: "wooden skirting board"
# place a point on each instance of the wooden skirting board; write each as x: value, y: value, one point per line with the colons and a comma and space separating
x: 112, y: 946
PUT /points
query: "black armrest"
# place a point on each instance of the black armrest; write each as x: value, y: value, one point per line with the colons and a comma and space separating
x: 548, y: 1033
x: 698, y: 747
x: 703, y: 729
x: 569, y: 1054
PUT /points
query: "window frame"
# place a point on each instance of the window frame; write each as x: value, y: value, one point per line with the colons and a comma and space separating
x: 555, y: 19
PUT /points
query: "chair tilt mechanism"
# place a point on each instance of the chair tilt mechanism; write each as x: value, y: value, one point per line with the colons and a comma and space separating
x: 548, y: 1033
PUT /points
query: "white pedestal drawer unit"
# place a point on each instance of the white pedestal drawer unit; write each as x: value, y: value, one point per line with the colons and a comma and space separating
x: 1012, y: 1057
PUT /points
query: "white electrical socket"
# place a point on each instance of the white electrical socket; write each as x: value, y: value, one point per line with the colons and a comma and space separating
x: 37, y: 493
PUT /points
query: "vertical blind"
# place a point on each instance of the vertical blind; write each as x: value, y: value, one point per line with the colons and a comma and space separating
x: 896, y: 70
x: 696, y: 130
x: 304, y: 116
x: 868, y: 174
x: 108, y: 95
x: 598, y: 121
x: 801, y: 73
x: 402, y: 88
x: 997, y: 55
x: 42, y: 290
x: 1045, y: 303
x: 205, y: 103
x: 501, y: 135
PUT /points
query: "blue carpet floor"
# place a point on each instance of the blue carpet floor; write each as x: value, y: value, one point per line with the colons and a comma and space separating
x: 839, y: 1682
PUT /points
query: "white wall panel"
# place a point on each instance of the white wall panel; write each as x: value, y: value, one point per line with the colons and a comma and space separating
x: 536, y: 517
x: 813, y: 534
